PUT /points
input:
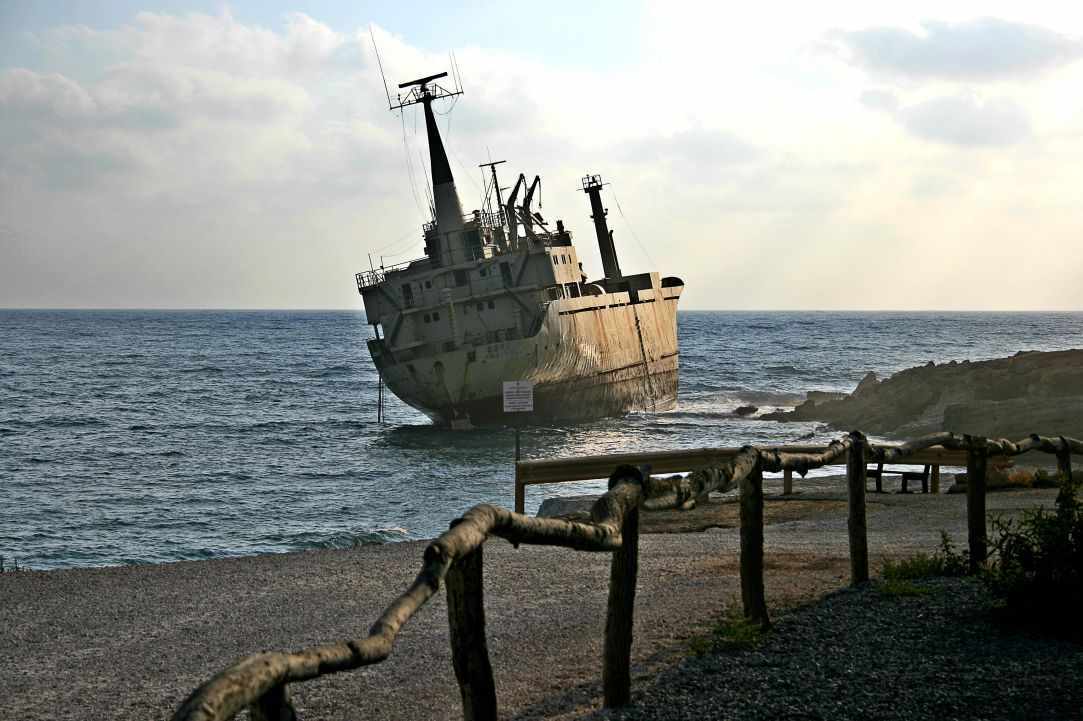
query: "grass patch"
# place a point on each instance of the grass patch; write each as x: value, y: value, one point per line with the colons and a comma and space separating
x: 902, y: 588
x: 946, y: 562
x: 731, y: 633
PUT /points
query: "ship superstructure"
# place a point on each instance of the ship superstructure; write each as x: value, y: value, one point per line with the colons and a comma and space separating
x: 501, y: 296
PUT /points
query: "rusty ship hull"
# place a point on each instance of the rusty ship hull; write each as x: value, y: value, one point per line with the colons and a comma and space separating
x: 593, y: 357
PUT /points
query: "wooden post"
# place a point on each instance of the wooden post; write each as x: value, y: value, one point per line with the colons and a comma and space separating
x: 273, y: 706
x: 469, y: 652
x: 975, y: 501
x: 520, y: 492
x: 752, y: 596
x: 935, y: 481
x: 787, y: 482
x: 623, y: 571
x: 856, y: 523
x: 1064, y: 460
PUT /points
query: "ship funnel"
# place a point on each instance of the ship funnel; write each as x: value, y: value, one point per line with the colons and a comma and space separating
x: 592, y: 186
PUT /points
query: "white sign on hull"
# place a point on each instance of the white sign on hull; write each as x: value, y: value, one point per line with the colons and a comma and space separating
x: 518, y: 396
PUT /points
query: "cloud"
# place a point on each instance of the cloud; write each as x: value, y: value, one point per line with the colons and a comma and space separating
x: 977, y: 50
x: 964, y: 120
x: 691, y: 152
x: 43, y: 94
x: 880, y: 100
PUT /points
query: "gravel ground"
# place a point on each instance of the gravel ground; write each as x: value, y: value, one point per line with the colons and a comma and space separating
x: 874, y: 654
x: 131, y: 642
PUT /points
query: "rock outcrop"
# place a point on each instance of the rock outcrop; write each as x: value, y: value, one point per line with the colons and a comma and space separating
x: 1030, y: 392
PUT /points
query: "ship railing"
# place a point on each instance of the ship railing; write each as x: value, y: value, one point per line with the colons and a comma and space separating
x: 369, y: 278
x: 260, y: 682
x: 480, y: 218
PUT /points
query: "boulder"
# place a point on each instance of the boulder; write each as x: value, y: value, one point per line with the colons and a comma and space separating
x: 867, y: 384
x: 575, y: 508
x: 746, y: 410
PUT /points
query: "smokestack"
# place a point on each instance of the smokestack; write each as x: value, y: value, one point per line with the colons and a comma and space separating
x: 592, y: 186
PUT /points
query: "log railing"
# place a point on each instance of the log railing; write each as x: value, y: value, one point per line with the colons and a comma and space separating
x: 260, y: 682
x: 564, y: 470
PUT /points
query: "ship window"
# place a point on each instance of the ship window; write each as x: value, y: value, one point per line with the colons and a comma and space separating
x: 556, y: 261
x: 481, y: 307
x: 428, y: 284
x: 484, y: 272
x: 435, y: 317
x: 427, y: 318
x: 460, y: 277
x: 491, y: 306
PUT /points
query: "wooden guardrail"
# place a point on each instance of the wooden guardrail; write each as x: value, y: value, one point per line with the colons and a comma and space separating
x: 565, y: 470
x: 260, y: 682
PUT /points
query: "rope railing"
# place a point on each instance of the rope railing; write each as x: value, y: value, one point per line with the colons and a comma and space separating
x: 260, y: 682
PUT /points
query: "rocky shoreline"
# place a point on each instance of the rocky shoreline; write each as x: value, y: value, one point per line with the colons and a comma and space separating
x: 1030, y: 392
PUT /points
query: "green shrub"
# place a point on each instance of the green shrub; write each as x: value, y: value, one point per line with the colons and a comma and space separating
x: 945, y: 562
x: 1037, y: 567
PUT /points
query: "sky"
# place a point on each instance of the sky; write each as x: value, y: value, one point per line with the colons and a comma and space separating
x: 839, y: 156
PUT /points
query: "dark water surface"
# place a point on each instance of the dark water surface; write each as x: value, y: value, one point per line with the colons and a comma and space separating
x: 152, y: 436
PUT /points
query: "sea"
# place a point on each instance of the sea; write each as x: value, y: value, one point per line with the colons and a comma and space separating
x: 132, y: 437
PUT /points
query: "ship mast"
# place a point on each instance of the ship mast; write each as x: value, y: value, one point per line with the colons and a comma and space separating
x: 448, y: 209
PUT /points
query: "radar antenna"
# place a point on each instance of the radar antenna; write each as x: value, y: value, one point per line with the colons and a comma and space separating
x: 421, y: 92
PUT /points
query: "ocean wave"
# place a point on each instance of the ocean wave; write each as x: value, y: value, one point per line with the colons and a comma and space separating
x: 330, y: 372
x: 202, y: 369
x: 65, y: 422
x: 307, y: 540
x: 786, y: 369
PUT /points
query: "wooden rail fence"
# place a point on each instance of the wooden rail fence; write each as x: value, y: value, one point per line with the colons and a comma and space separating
x: 260, y: 682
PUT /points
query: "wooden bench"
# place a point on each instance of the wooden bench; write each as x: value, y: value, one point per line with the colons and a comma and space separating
x: 907, y: 476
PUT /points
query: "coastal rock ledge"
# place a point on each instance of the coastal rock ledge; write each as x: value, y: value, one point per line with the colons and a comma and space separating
x: 1030, y: 392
